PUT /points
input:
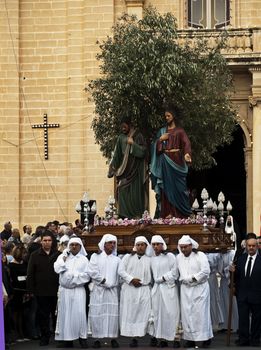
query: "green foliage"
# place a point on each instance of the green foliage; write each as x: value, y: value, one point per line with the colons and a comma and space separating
x: 143, y: 67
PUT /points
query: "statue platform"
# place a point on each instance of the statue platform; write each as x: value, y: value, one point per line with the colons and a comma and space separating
x: 210, y: 240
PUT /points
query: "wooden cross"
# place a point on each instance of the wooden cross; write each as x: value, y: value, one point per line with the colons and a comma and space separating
x: 45, y: 126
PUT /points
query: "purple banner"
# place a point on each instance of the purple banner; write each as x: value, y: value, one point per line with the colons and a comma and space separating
x: 2, y: 336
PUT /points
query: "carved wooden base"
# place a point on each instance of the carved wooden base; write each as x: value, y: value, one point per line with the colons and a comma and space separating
x: 211, y: 240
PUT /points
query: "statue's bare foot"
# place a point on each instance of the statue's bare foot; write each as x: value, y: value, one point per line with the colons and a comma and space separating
x: 168, y: 217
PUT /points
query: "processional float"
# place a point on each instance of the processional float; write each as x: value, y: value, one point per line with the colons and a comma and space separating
x: 205, y: 225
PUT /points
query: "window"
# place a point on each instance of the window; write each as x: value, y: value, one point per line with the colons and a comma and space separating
x: 208, y: 13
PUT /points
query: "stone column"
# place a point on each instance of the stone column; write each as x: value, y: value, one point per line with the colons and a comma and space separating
x: 256, y: 105
x: 249, y: 187
x: 256, y: 39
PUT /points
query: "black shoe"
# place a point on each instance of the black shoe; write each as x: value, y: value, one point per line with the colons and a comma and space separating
x: 176, y: 344
x: 96, y: 344
x: 189, y: 344
x: 206, y: 343
x: 246, y: 343
x: 239, y: 342
x: 114, y: 344
x: 83, y: 343
x: 243, y: 344
x: 44, y: 342
x: 223, y: 330
x: 133, y: 343
x: 163, y: 344
x: 254, y: 342
x: 153, y: 342
x: 35, y: 337
x: 65, y: 344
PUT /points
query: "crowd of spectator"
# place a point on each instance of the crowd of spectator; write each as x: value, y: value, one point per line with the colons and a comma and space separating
x: 20, y: 305
x: 30, y: 283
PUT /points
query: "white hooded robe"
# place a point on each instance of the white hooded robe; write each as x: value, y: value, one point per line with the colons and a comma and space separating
x: 165, y: 298
x: 71, y: 318
x: 195, y: 296
x: 104, y: 298
x: 216, y: 313
x: 135, y: 302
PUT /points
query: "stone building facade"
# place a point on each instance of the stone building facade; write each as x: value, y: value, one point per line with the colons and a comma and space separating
x: 47, y: 57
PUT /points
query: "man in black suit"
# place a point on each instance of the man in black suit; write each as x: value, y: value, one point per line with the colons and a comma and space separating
x: 248, y: 293
x: 43, y: 282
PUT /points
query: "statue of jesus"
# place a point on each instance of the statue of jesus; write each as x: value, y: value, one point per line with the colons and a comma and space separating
x: 170, y: 155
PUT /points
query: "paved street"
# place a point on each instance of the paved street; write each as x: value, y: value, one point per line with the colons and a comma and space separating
x: 219, y: 342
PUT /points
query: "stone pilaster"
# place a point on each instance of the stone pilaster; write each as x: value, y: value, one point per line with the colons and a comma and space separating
x: 255, y: 103
x: 9, y: 113
x: 249, y: 187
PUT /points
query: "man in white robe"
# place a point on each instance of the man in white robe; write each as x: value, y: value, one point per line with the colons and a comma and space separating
x: 164, y: 294
x: 216, y: 313
x: 72, y: 267
x: 135, y: 300
x: 194, y: 272
x: 225, y: 261
x: 104, y: 297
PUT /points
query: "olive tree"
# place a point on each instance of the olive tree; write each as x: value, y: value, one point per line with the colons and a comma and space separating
x: 143, y: 66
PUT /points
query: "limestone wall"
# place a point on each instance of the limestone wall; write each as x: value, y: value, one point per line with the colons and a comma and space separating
x: 9, y: 111
x: 56, y: 60
x: 47, y: 57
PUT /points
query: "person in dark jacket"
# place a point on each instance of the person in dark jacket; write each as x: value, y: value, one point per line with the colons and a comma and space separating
x: 7, y: 292
x: 17, y: 270
x: 248, y: 293
x: 6, y: 233
x: 43, y: 282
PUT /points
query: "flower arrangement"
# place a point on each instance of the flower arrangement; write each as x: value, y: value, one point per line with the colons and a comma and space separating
x: 146, y: 219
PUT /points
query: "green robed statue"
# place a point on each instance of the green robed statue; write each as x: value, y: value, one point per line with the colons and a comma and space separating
x: 129, y: 166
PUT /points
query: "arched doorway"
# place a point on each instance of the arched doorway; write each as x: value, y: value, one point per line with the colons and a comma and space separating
x: 228, y: 176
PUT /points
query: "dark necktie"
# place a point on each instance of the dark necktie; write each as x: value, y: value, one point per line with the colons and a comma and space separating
x: 249, y: 267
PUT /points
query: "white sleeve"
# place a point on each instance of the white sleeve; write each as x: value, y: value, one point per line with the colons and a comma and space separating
x: 94, y: 269
x: 204, y: 272
x: 122, y: 269
x: 80, y: 278
x: 172, y: 275
x: 59, y: 265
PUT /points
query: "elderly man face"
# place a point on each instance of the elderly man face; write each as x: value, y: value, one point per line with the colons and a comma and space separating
x: 141, y: 248
x: 109, y: 247
x: 74, y: 248
x: 186, y: 249
x: 251, y: 246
